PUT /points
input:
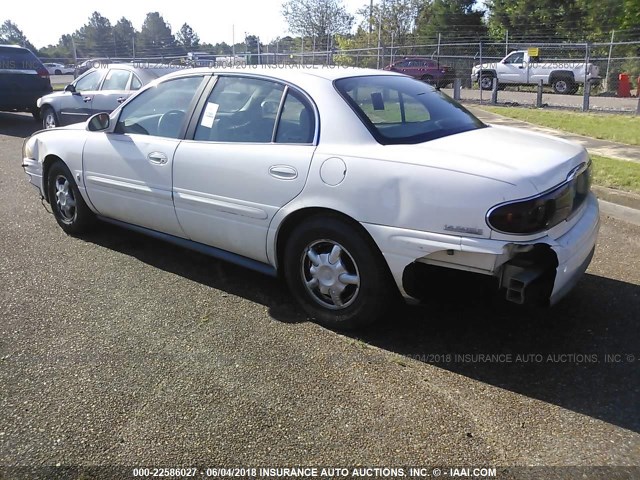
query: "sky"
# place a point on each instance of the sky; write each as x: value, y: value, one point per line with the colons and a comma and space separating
x: 44, y: 22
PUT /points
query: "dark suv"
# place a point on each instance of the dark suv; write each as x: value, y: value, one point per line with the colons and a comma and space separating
x: 425, y: 69
x: 23, y: 79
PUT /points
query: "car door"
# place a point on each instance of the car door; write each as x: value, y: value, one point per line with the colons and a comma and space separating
x: 113, y: 91
x: 75, y: 106
x: 249, y: 156
x: 128, y: 172
x: 513, y: 69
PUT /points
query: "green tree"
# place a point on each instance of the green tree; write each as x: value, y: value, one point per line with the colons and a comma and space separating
x: 124, y: 38
x: 187, y: 38
x: 395, y: 18
x: 155, y: 37
x: 452, y: 18
x: 317, y: 18
x: 11, y: 34
x: 98, y: 36
x: 540, y: 19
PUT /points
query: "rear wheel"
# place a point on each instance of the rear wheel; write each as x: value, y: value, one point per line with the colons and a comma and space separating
x: 69, y: 208
x: 563, y: 85
x: 337, y: 274
x: 427, y: 79
x: 57, y: 72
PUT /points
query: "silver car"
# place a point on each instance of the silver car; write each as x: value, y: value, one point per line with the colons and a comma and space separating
x: 101, y: 89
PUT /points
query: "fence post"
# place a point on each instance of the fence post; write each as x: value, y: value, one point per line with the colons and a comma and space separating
x: 539, y: 95
x: 585, y: 97
x: 457, y: 83
x: 494, y: 91
x: 480, y: 73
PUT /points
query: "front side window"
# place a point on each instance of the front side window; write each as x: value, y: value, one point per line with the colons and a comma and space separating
x: 398, y: 109
x: 89, y: 82
x: 116, y: 80
x: 240, y: 109
x: 517, y: 57
x: 160, y: 110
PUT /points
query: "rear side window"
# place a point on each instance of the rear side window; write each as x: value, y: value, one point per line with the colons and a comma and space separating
x: 399, y: 109
x: 116, y: 80
x: 18, y: 59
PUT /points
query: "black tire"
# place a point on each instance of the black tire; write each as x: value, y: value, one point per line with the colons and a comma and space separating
x: 486, y: 82
x: 364, y: 302
x: 73, y: 219
x: 562, y: 85
x: 49, y: 118
x: 428, y: 79
x: 57, y: 72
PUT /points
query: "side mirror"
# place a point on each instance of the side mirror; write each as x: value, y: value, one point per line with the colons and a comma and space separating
x: 98, y: 122
x: 70, y: 88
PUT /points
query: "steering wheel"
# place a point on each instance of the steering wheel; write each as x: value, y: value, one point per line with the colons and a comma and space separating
x: 170, y: 122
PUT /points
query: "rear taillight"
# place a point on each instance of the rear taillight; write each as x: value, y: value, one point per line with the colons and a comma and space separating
x: 541, y: 213
x: 42, y: 72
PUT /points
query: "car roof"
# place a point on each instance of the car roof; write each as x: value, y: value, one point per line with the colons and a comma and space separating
x: 291, y: 73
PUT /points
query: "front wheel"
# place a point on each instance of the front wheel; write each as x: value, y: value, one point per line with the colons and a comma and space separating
x: 337, y: 274
x: 486, y: 81
x: 49, y: 118
x: 69, y: 208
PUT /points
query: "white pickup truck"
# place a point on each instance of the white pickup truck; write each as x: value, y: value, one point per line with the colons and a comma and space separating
x: 519, y: 68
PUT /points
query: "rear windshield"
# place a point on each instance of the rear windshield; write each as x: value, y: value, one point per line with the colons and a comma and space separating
x: 18, y: 59
x: 399, y: 109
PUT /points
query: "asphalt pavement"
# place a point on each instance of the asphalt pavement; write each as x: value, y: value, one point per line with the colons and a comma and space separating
x: 117, y: 349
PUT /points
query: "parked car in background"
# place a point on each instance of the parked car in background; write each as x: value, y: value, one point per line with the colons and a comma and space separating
x: 23, y: 79
x: 89, y: 64
x: 425, y: 69
x: 59, y: 69
x: 522, y: 68
x: 98, y: 90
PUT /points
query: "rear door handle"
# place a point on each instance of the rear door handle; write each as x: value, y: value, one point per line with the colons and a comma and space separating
x: 158, y: 158
x: 283, y: 172
x: 86, y: 99
x: 121, y: 99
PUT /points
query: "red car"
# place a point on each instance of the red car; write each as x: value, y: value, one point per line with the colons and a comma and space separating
x: 425, y: 69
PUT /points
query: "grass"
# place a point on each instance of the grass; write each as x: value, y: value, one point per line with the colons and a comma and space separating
x: 618, y: 174
x: 615, y: 128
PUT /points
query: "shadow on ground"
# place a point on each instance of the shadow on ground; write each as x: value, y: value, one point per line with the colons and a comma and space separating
x: 583, y: 355
x: 18, y: 124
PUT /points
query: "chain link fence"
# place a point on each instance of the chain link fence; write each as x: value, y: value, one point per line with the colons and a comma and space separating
x: 613, y: 60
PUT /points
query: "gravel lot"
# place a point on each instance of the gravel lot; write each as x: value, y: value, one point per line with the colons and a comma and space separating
x: 116, y: 349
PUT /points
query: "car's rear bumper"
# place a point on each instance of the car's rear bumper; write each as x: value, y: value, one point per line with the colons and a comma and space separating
x: 402, y: 248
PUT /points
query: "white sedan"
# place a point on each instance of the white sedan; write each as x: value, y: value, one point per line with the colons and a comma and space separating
x: 346, y: 182
x: 59, y: 69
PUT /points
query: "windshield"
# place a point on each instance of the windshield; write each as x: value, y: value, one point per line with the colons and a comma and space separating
x: 399, y: 109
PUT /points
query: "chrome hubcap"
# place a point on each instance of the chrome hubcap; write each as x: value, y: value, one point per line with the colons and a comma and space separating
x: 64, y: 199
x: 561, y: 86
x: 49, y: 121
x: 330, y: 274
x: 487, y: 82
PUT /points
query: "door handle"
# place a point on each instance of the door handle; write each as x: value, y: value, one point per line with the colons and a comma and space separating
x: 86, y: 99
x: 121, y: 99
x: 283, y: 172
x: 158, y: 158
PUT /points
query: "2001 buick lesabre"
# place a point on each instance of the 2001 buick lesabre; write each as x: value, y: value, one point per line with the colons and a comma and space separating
x: 344, y: 181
